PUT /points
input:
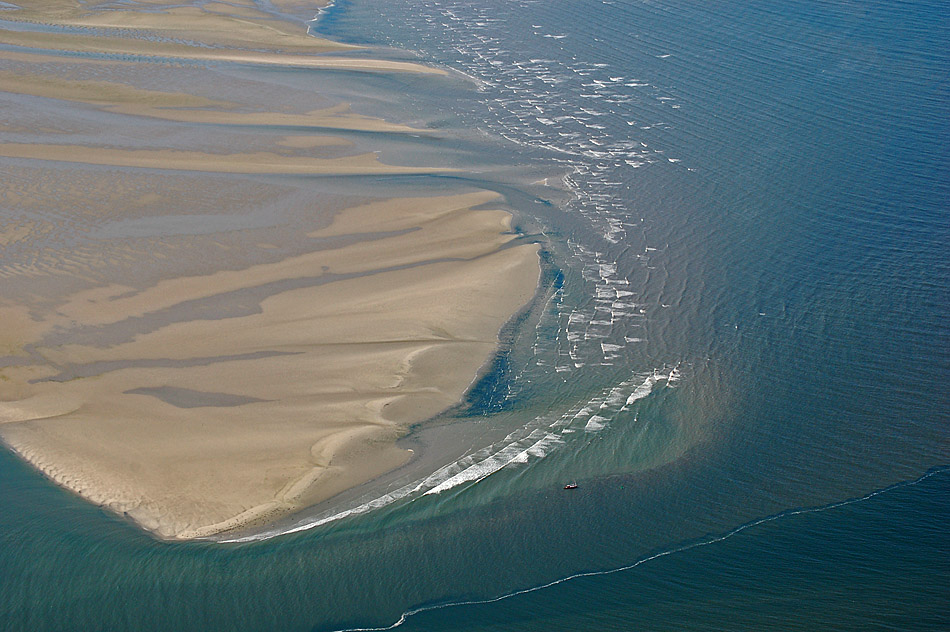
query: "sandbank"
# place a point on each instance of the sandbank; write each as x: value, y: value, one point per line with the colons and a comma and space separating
x: 334, y: 372
x: 198, y: 332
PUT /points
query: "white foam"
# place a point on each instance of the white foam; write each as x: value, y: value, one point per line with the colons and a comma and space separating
x: 644, y: 389
x: 595, y: 423
x: 674, y: 375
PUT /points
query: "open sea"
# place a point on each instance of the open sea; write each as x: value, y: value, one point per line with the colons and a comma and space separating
x: 741, y: 350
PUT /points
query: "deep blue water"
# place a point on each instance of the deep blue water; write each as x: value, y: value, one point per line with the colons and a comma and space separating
x: 742, y: 355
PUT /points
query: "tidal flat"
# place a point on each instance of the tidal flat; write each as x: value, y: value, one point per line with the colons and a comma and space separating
x: 199, y: 336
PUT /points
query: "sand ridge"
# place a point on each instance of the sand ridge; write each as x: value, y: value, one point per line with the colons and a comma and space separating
x: 256, y: 162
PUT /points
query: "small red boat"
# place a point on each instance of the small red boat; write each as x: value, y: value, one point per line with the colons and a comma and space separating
x: 571, y: 486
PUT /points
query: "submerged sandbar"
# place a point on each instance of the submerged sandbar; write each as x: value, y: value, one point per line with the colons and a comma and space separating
x: 195, y: 334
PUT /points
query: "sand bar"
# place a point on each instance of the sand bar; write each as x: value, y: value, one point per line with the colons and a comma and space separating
x: 197, y: 334
x: 332, y: 371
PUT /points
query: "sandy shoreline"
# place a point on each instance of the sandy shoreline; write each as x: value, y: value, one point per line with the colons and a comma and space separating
x: 196, y: 335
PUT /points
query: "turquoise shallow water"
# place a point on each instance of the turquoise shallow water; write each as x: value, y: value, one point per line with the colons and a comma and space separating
x: 745, y: 326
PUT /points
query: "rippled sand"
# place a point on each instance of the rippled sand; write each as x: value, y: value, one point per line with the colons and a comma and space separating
x: 197, y: 332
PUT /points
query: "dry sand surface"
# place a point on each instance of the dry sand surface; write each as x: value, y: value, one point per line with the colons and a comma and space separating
x: 194, y: 334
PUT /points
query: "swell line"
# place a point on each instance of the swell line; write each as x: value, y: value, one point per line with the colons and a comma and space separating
x: 680, y: 549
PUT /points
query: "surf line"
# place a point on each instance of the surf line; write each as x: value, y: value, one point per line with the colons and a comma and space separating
x: 679, y: 549
x: 534, y: 440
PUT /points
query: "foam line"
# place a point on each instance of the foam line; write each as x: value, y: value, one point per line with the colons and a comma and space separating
x: 714, y: 539
x: 530, y: 442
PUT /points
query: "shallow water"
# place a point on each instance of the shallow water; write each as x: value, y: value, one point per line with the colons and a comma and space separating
x: 744, y: 327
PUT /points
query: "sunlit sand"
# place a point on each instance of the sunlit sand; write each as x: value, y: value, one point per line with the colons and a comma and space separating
x: 194, y: 335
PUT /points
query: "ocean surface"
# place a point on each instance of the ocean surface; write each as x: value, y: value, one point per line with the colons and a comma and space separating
x: 741, y: 351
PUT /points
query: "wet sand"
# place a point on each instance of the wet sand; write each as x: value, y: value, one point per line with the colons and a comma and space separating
x: 198, y: 333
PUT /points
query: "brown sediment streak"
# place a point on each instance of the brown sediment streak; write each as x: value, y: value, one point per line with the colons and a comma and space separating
x: 187, y: 339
